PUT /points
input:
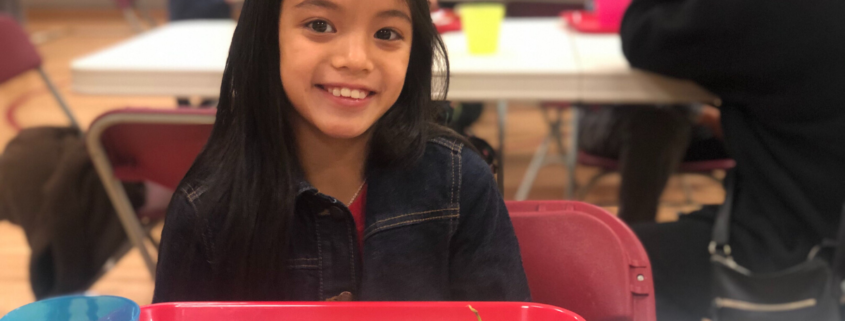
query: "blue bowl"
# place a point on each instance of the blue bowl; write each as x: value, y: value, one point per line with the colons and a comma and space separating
x: 77, y: 308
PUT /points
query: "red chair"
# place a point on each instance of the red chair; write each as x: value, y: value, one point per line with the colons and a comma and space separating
x: 18, y: 55
x: 580, y: 257
x: 610, y: 165
x: 150, y: 145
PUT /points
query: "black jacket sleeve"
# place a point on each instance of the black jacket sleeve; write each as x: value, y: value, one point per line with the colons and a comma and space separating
x: 738, y: 49
x: 486, y: 264
x: 184, y: 270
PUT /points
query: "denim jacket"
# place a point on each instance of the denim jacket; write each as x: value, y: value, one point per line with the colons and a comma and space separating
x: 436, y: 231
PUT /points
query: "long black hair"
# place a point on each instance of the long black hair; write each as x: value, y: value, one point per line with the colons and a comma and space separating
x: 249, y: 166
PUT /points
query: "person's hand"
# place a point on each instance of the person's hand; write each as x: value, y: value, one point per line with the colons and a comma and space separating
x: 711, y: 118
x: 432, y: 5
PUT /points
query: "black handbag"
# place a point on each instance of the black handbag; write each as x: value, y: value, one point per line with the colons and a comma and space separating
x: 807, y: 291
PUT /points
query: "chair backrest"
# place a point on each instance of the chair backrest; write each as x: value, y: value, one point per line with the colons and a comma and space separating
x: 17, y: 54
x: 151, y: 144
x: 580, y: 257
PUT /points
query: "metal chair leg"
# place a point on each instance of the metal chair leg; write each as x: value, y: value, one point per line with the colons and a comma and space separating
x: 541, y: 153
x: 533, y: 170
x: 130, y: 16
x: 117, y: 194
x: 572, y: 153
x: 145, y: 14
x: 65, y: 108
x: 556, y: 128
x: 152, y: 239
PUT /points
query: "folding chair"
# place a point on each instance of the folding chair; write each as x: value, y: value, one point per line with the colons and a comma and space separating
x: 18, y: 55
x: 152, y: 145
x: 580, y: 257
x: 706, y: 168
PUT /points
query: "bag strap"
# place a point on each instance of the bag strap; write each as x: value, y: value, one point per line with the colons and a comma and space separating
x: 839, y: 254
x: 722, y: 226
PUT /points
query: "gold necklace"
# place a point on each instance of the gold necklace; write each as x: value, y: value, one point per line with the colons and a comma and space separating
x: 355, y: 196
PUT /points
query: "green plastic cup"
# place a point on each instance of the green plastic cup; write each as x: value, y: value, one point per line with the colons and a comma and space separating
x: 481, y: 23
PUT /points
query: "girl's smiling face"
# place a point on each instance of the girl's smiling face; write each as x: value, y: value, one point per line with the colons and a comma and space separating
x: 343, y: 62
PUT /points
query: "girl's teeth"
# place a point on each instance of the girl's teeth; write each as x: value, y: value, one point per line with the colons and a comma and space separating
x: 349, y: 93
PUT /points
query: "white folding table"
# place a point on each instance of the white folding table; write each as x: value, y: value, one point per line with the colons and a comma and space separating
x: 539, y: 59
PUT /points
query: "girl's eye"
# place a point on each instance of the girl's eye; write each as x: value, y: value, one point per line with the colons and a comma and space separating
x: 387, y: 34
x: 320, y: 26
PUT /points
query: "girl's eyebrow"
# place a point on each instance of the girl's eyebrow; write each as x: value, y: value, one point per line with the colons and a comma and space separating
x: 326, y: 4
x: 394, y: 14
x: 318, y: 3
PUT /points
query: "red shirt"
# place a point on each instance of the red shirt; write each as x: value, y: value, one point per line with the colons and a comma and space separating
x: 357, y: 209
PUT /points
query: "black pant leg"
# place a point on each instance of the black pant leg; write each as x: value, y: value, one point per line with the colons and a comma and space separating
x: 654, y: 141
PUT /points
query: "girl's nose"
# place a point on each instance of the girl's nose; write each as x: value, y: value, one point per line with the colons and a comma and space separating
x: 353, y: 55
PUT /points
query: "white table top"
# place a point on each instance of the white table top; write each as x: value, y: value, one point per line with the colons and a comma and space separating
x: 181, y: 58
x: 538, y: 59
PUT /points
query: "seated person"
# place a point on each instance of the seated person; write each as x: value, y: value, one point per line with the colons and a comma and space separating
x: 778, y: 68
x: 326, y: 178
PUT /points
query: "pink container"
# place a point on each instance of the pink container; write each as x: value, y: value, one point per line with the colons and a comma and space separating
x: 354, y: 311
x: 610, y: 12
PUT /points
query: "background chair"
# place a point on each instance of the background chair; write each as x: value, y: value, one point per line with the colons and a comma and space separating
x: 18, y: 55
x: 150, y: 145
x: 607, y: 166
x: 582, y: 258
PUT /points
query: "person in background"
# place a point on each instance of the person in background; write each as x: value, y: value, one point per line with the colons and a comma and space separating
x: 199, y: 9
x: 779, y: 68
x: 326, y: 176
x: 649, y: 142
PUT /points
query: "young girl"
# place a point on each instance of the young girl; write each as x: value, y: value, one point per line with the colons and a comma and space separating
x: 325, y: 177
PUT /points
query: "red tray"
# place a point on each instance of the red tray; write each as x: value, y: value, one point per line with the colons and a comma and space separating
x: 446, y: 20
x: 354, y: 311
x: 587, y: 22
